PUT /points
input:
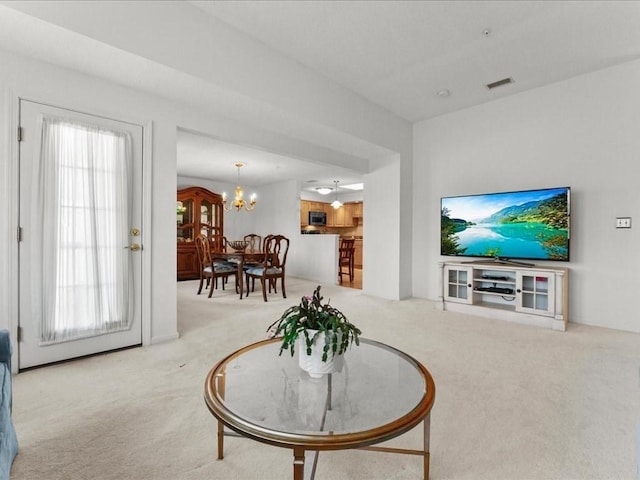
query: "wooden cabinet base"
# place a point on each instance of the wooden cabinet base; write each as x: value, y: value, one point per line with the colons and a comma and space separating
x: 187, y: 261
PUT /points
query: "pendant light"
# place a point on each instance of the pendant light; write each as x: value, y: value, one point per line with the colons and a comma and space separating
x: 336, y: 204
x: 239, y: 202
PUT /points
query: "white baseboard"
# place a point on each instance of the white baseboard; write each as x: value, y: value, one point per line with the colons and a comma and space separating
x: 165, y: 338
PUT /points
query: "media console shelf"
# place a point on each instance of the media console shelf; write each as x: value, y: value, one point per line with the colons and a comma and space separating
x: 530, y: 295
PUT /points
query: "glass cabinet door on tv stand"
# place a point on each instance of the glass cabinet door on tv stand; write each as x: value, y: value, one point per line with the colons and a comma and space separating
x: 536, y: 292
x: 458, y: 287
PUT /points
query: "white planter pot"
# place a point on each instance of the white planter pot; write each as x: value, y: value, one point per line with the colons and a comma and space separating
x: 313, y: 364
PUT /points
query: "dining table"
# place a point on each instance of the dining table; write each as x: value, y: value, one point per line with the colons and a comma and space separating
x: 240, y: 258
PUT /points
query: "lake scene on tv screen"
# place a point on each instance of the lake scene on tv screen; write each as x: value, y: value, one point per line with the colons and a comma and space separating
x: 532, y: 224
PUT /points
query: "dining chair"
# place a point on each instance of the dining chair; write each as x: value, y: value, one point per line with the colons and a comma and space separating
x: 210, y: 270
x: 346, y: 258
x: 254, y: 245
x: 272, y: 267
x: 255, y: 242
x: 223, y: 244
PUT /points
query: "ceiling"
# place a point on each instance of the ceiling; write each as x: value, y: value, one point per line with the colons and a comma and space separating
x: 396, y: 54
x: 401, y: 54
x: 204, y: 157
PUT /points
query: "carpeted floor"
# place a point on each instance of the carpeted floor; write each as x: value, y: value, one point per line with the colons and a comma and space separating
x: 513, y: 402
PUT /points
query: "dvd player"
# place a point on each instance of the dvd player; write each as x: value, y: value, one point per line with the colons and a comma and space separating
x: 503, y: 290
x: 494, y: 277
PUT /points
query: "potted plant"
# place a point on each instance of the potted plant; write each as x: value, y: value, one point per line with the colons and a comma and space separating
x: 318, y: 325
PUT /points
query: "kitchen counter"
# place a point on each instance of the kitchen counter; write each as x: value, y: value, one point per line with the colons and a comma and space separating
x: 319, y: 254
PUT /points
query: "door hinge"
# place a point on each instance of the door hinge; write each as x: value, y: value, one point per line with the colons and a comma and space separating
x: 19, y: 134
x: 19, y: 234
x: 19, y: 333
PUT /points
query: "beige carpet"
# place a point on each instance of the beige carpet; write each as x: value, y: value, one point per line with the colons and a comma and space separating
x: 513, y: 402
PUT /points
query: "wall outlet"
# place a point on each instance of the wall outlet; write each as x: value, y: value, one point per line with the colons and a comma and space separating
x: 623, y: 222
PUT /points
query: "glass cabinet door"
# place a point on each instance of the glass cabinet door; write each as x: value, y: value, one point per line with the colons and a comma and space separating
x: 457, y: 286
x: 536, y: 292
x: 206, y: 218
x: 184, y: 214
x: 216, y: 221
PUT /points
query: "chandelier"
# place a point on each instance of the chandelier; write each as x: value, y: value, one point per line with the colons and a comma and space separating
x: 336, y: 204
x: 239, y: 202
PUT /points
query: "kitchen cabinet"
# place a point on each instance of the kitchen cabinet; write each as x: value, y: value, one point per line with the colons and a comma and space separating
x: 304, y: 213
x: 307, y: 206
x: 342, y: 217
x: 349, y: 214
x: 317, y: 206
x: 357, y: 254
x: 336, y: 217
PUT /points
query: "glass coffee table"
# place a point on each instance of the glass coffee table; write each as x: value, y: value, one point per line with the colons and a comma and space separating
x: 380, y: 394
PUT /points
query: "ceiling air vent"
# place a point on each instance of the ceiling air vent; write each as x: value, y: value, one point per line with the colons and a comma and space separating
x: 499, y: 83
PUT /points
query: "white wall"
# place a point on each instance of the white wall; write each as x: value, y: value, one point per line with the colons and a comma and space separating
x: 276, y: 212
x: 382, y: 270
x: 316, y: 258
x: 20, y: 77
x: 583, y: 133
x: 279, y: 212
x: 134, y: 71
x: 236, y: 74
x: 228, y: 86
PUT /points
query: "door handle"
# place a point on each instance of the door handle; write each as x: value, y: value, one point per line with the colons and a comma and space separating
x: 134, y: 247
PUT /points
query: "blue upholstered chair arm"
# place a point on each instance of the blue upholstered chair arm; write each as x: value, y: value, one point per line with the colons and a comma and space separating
x: 8, y: 439
x: 5, y: 348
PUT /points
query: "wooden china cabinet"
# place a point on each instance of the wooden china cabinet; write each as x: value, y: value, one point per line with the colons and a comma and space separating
x: 199, y: 211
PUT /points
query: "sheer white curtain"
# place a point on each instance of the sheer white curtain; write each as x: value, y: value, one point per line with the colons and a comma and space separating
x: 81, y: 269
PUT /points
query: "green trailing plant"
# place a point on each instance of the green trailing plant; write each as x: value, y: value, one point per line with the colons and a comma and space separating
x: 312, y: 314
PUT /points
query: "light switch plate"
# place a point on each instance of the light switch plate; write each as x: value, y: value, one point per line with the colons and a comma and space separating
x: 623, y: 222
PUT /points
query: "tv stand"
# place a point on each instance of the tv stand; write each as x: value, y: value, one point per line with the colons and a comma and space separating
x: 527, y: 294
x: 501, y: 261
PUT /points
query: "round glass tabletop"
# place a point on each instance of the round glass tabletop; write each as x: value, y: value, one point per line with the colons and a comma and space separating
x: 380, y: 393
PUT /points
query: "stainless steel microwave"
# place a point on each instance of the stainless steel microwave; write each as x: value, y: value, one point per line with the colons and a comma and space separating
x: 317, y: 218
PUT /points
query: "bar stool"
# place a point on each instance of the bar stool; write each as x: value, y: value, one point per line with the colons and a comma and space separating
x: 345, y: 258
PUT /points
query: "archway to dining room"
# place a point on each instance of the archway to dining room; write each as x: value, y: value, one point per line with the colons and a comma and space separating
x: 280, y: 182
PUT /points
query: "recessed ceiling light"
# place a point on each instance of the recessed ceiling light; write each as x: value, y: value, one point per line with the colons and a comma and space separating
x: 323, y: 190
x: 444, y: 93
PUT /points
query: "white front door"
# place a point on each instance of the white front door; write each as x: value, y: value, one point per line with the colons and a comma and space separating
x: 81, y: 296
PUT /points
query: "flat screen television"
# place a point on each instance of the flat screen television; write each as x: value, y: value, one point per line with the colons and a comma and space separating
x: 527, y: 225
